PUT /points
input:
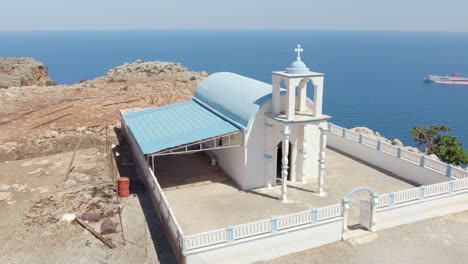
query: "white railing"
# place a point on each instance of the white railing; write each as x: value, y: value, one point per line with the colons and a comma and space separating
x: 410, y: 156
x: 175, y: 234
x: 352, y: 135
x: 370, y: 142
x: 435, y: 165
x: 209, y: 238
x: 383, y: 200
x: 452, y: 187
x: 459, y: 173
x: 329, y: 212
x: 389, y: 149
x: 293, y: 220
x: 230, y: 234
x: 335, y: 129
x: 436, y: 189
x: 403, y: 154
x: 252, y: 229
x: 407, y: 195
x: 460, y: 185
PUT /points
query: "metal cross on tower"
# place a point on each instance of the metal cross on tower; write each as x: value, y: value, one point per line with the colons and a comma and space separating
x: 298, y: 50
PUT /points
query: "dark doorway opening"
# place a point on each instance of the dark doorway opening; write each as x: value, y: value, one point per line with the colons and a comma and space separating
x: 279, y: 157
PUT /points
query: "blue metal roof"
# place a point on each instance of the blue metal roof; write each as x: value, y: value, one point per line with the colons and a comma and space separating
x: 156, y: 129
x: 233, y: 96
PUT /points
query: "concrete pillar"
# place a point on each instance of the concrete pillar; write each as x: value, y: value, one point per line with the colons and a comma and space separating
x: 304, y: 154
x: 302, y: 95
x: 276, y: 94
x: 318, y: 94
x: 284, y: 163
x: 293, y: 161
x: 269, y: 173
x: 374, y: 201
x: 345, y: 204
x: 323, y: 146
x: 291, y: 100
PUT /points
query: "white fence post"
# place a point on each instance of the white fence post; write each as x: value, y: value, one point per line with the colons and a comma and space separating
x: 229, y: 235
x: 391, y: 200
x: 274, y: 225
x: 449, y: 170
x: 313, y: 216
x: 421, y: 192
x: 422, y: 163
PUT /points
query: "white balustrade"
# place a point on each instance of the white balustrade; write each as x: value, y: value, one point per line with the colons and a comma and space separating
x: 407, y: 195
x: 459, y: 173
x: 292, y: 220
x: 352, y: 135
x: 390, y: 149
x: 384, y: 200
x: 252, y: 229
x: 410, y: 156
x: 205, y: 239
x: 336, y: 129
x: 436, y: 189
x: 329, y: 212
x: 460, y: 185
x: 371, y: 142
x: 435, y: 165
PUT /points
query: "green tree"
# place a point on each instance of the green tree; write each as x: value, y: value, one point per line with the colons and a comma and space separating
x: 447, y: 147
x: 426, y: 136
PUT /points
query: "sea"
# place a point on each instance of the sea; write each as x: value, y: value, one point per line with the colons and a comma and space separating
x: 372, y: 79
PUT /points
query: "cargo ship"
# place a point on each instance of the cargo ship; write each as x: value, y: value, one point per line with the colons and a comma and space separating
x: 452, y: 79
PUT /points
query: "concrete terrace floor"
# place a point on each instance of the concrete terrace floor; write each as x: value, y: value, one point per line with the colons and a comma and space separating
x: 204, y: 198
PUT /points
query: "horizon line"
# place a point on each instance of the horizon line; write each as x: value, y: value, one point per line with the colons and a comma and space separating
x: 233, y: 29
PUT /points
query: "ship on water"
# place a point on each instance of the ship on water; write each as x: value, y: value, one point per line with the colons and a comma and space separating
x: 452, y: 79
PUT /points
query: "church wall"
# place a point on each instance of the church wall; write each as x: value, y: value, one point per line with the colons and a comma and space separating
x: 254, y: 153
x: 311, y: 164
x: 231, y: 160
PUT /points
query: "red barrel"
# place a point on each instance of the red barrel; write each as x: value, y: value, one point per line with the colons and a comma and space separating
x: 123, y: 187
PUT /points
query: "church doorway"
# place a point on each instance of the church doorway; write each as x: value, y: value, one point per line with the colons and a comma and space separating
x: 279, y: 157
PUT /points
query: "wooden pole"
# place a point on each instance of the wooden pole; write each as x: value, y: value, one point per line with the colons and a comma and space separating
x: 96, y: 234
x: 72, y: 158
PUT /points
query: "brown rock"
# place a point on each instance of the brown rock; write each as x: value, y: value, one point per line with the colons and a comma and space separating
x: 23, y: 72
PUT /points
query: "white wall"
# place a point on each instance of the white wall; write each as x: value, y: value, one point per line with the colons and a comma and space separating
x: 311, y: 166
x: 269, y: 247
x: 402, y: 168
x: 231, y: 160
x: 417, y: 211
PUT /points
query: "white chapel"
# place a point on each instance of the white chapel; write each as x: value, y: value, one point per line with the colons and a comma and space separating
x: 261, y: 134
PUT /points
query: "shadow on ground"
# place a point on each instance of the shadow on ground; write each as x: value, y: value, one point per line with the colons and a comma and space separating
x: 126, y: 166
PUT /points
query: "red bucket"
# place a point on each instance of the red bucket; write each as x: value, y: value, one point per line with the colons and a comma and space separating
x: 123, y: 188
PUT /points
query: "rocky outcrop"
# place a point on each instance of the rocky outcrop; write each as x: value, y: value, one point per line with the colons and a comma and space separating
x: 142, y: 70
x: 88, y: 109
x: 23, y: 72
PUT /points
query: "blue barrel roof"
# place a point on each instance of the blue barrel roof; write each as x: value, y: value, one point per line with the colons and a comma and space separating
x: 234, y: 97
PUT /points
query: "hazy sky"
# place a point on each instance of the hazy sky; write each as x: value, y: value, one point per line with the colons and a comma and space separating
x: 428, y: 15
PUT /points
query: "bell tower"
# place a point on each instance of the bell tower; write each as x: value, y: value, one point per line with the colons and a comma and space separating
x: 295, y: 80
x: 299, y: 120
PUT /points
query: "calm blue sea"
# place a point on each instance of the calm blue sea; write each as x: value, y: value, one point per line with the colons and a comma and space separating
x: 373, y: 79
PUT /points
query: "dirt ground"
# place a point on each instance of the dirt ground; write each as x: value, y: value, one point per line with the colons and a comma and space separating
x: 40, y: 127
x: 31, y: 228
x: 43, y: 120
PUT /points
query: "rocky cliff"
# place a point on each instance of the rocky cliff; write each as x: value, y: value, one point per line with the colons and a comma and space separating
x: 42, y: 120
x: 23, y: 72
